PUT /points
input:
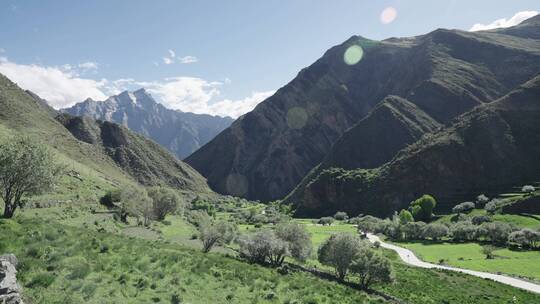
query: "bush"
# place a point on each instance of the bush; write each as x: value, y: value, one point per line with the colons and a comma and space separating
x: 526, y: 238
x: 435, y: 231
x: 297, y: 238
x: 111, y: 197
x: 326, y: 221
x: 481, y: 201
x: 528, y: 189
x: 216, y: 233
x: 413, y: 230
x: 164, y: 201
x: 341, y: 216
x: 371, y: 267
x: 479, y: 219
x: 464, y: 231
x: 339, y: 251
x: 405, y: 217
x: 367, y: 223
x: 422, y: 208
x: 496, y: 232
x: 491, y: 206
x: 263, y: 247
x: 463, y: 207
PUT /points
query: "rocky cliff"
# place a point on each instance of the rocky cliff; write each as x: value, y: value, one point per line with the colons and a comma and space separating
x: 10, y: 290
x: 267, y: 152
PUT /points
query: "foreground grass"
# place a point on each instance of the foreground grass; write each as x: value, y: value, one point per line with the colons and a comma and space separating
x: 469, y: 255
x: 63, y: 264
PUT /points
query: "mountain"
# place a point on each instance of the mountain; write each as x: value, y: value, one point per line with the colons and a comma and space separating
x: 266, y: 153
x: 492, y: 147
x: 97, y: 154
x: 179, y: 132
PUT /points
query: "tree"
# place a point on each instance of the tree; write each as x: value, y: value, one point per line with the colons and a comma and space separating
x: 479, y: 219
x: 487, y: 250
x: 371, y: 267
x: 26, y: 168
x: 463, y: 207
x: 216, y: 233
x: 435, y: 231
x: 164, y: 201
x: 496, y: 232
x: 525, y: 237
x: 367, y: 223
x: 111, y: 197
x: 297, y: 238
x: 326, y: 221
x: 339, y: 251
x: 426, y: 203
x: 413, y: 230
x: 134, y: 201
x: 405, y: 217
x: 341, y: 216
x: 491, y: 206
x: 263, y: 247
x: 481, y: 201
x: 463, y: 231
x: 528, y: 189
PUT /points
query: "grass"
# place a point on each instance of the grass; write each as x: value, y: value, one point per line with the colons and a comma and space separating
x: 469, y: 255
x: 64, y: 264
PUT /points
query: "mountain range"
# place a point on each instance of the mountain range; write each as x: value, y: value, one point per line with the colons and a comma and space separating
x: 359, y: 115
x: 180, y: 132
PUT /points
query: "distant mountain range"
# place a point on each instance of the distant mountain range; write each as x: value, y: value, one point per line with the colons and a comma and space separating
x: 359, y: 115
x: 104, y: 153
x: 180, y: 132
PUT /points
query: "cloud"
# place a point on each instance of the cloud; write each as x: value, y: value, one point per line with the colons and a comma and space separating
x: 170, y: 58
x: 89, y: 65
x: 188, y: 59
x: 60, y: 86
x: 503, y: 22
x: 237, y: 108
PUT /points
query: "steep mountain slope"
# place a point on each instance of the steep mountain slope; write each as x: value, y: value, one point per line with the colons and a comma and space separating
x: 146, y: 161
x: 265, y: 153
x: 491, y: 147
x: 24, y: 114
x: 181, y: 133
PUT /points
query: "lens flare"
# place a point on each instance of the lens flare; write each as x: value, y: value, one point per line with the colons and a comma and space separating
x: 353, y: 54
x: 388, y: 15
x: 296, y: 118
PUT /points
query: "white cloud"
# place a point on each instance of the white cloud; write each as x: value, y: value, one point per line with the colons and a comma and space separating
x: 89, y: 65
x: 237, y: 108
x: 503, y: 22
x: 188, y: 59
x: 170, y: 58
x: 61, y: 86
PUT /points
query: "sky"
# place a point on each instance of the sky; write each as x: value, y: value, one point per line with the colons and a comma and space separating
x: 215, y: 57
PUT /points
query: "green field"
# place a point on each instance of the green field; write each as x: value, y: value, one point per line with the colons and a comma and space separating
x: 469, y: 255
x: 520, y: 220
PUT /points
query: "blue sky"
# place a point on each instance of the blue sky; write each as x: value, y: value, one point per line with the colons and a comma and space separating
x: 228, y: 55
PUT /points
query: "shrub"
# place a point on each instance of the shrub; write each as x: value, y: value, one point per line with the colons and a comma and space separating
x: 371, y: 267
x: 341, y: 216
x: 216, y: 233
x: 479, y: 219
x: 413, y: 230
x: 491, y: 206
x: 422, y: 208
x: 463, y: 207
x: 463, y: 231
x: 405, y: 217
x: 164, y: 201
x: 111, y: 197
x: 496, y: 232
x: 297, y: 238
x: 528, y: 189
x: 367, y: 223
x: 339, y: 251
x: 263, y: 247
x: 435, y: 231
x: 526, y: 237
x: 326, y: 221
x: 136, y: 202
x: 481, y: 201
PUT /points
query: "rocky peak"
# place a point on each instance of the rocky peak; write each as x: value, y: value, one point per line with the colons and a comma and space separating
x: 10, y: 291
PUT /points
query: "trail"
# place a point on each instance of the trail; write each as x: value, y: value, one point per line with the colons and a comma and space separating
x: 410, y: 258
